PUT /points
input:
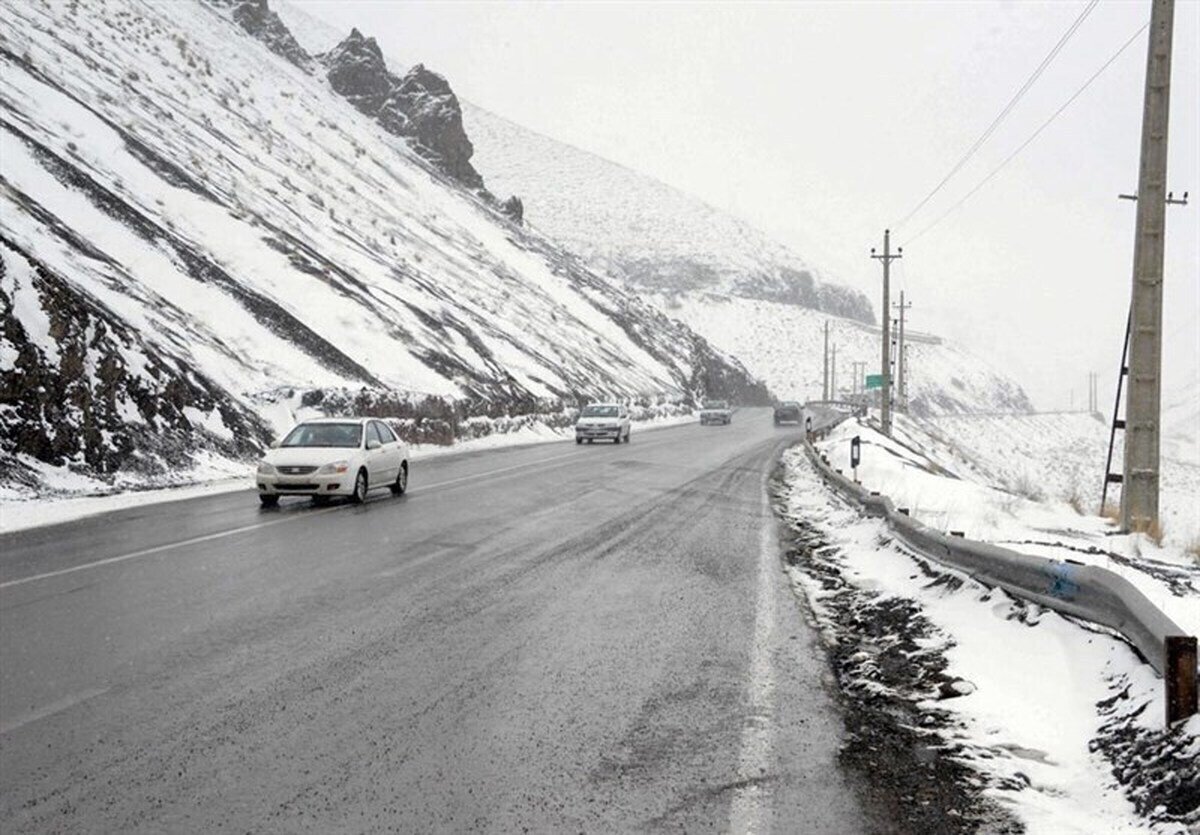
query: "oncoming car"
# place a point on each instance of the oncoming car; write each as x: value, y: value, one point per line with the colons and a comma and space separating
x: 716, y: 411
x: 333, y: 457
x: 602, y: 421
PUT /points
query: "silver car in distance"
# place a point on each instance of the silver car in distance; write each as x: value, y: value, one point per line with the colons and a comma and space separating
x: 333, y: 457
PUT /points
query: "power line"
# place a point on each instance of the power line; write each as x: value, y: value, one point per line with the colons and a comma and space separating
x: 1033, y: 136
x: 1029, y: 82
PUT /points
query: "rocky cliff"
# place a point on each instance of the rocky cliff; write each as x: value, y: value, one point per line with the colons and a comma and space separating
x: 419, y: 106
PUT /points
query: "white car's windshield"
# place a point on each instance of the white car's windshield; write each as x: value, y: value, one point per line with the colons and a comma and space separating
x: 599, y: 411
x: 324, y: 435
x: 714, y: 404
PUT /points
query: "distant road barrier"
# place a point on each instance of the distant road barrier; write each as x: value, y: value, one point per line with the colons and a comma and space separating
x: 1083, y: 591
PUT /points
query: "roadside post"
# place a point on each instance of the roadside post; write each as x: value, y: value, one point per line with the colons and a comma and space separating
x: 808, y: 429
x: 855, y: 455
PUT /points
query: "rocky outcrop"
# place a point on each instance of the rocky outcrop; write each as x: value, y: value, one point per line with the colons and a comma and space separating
x: 434, y: 122
x: 514, y: 208
x: 256, y: 18
x: 420, y: 106
x: 357, y: 72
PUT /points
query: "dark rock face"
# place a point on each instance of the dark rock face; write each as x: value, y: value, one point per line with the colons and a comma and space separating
x: 356, y: 71
x: 84, y: 389
x: 256, y: 18
x: 434, y: 120
x: 514, y: 208
x: 420, y: 106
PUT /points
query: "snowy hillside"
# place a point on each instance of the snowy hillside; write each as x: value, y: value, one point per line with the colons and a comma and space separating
x: 1060, y: 457
x: 741, y: 290
x: 196, y: 226
x: 784, y: 344
x: 625, y: 223
x: 654, y: 237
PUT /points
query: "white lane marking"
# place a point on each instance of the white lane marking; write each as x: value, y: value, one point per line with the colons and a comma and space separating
x: 159, y: 549
x: 751, y: 804
x: 49, y: 710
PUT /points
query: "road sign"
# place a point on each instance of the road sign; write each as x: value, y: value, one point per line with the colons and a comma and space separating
x: 855, y: 451
x: 874, y: 381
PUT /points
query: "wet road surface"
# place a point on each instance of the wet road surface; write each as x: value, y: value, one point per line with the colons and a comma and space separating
x: 549, y: 639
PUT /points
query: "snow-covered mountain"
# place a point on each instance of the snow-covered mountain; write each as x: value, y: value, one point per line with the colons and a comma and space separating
x: 745, y: 293
x: 199, y: 222
x: 783, y: 344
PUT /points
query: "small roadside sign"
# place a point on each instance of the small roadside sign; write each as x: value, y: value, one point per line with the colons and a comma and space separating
x: 855, y: 455
x: 874, y: 381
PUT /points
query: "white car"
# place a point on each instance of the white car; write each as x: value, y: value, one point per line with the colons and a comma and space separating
x: 602, y: 421
x: 333, y: 457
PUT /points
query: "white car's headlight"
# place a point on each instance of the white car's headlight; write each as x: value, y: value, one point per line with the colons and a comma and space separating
x: 334, y: 468
x: 265, y: 469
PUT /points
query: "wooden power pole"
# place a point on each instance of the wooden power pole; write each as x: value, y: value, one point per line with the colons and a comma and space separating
x: 1139, y: 493
x: 885, y: 393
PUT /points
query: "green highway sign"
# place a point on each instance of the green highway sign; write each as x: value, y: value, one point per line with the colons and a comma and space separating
x: 874, y: 381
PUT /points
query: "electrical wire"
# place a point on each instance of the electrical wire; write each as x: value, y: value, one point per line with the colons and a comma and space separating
x: 1032, y: 137
x: 1029, y: 82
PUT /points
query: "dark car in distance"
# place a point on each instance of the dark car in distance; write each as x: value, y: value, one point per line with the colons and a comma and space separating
x: 788, y: 411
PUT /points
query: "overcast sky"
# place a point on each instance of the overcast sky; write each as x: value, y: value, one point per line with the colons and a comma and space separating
x: 822, y: 123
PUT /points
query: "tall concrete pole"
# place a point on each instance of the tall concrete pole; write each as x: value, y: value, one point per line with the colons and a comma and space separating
x: 885, y: 393
x: 902, y: 360
x: 1139, y: 495
x: 825, y: 372
x: 833, y: 374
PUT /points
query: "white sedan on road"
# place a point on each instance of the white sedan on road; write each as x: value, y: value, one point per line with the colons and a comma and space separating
x: 603, y: 421
x: 334, y: 457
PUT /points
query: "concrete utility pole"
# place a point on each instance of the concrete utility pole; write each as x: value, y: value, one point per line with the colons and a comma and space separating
x: 902, y: 360
x: 885, y: 393
x: 833, y: 374
x: 1139, y: 495
x: 825, y: 373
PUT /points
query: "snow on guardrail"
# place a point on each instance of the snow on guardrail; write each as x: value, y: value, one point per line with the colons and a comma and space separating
x: 1087, y: 592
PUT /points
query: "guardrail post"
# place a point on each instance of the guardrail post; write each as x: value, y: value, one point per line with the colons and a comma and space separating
x: 1180, y: 677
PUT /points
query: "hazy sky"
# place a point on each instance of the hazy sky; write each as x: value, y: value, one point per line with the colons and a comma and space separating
x: 822, y: 123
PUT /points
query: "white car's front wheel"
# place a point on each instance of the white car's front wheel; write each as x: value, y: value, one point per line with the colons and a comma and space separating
x: 360, y: 488
x: 401, y: 482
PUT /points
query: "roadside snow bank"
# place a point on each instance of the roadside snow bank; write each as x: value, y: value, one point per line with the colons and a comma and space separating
x: 942, y: 488
x: 1006, y: 688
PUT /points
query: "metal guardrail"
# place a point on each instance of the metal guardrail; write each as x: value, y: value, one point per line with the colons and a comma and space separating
x: 1083, y: 591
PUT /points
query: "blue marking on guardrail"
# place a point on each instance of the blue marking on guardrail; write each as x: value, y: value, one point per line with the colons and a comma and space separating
x: 1063, y: 585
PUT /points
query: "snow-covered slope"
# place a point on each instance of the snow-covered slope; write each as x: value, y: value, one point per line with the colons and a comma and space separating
x: 654, y: 237
x: 784, y: 345
x: 744, y: 292
x: 194, y: 226
x: 1061, y: 457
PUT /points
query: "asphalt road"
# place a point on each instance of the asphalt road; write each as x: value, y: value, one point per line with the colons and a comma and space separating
x: 547, y: 639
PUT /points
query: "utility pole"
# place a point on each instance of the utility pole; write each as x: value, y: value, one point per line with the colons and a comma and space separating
x: 885, y: 393
x: 833, y: 374
x: 1139, y: 496
x: 902, y: 359
x: 825, y: 373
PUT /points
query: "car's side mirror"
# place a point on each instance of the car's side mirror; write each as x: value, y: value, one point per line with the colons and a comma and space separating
x: 373, y: 444
x: 275, y: 443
